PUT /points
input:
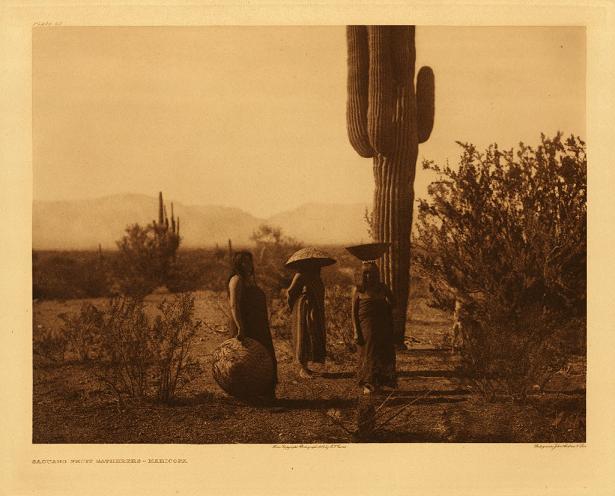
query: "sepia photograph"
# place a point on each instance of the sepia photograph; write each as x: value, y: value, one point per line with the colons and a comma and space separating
x: 256, y: 248
x: 309, y: 234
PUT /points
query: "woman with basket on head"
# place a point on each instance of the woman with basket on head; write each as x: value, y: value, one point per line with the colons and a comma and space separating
x: 372, y: 319
x: 306, y: 300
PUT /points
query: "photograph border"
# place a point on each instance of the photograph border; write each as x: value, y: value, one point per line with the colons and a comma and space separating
x: 296, y: 469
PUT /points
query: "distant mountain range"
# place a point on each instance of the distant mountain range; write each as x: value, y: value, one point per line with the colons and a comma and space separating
x: 84, y: 224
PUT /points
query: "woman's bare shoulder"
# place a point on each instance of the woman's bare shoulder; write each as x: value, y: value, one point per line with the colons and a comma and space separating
x: 235, y: 281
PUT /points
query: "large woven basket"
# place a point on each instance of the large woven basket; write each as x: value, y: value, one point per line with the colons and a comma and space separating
x: 243, y: 369
x: 368, y: 252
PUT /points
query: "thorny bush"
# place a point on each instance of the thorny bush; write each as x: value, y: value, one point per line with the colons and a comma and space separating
x: 173, y: 333
x: 272, y: 249
x: 49, y: 343
x: 146, y: 257
x: 505, y: 235
x: 82, y: 331
x: 134, y: 354
x: 338, y: 318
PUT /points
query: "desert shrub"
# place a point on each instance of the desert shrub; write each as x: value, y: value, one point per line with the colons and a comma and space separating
x: 65, y: 275
x: 173, y: 332
x: 96, y: 279
x: 279, y: 317
x: 126, y: 348
x: 184, y: 277
x: 139, y: 354
x: 272, y: 249
x: 146, y: 254
x: 338, y: 316
x: 87, y: 274
x: 49, y: 343
x: 506, y: 234
x: 419, y: 286
x: 335, y: 275
x: 197, y: 269
x: 82, y: 330
x: 133, y: 354
x: 136, y: 264
x: 55, y: 277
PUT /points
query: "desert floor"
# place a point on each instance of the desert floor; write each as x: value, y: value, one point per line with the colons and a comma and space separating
x: 432, y: 403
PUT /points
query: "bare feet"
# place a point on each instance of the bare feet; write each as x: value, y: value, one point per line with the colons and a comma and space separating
x: 401, y: 347
x: 368, y: 389
x: 306, y: 374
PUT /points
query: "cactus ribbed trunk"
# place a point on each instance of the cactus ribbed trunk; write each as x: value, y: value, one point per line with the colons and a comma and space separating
x: 393, y: 200
x: 385, y: 123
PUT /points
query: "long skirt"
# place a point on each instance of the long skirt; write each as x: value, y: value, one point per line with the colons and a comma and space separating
x: 308, y: 330
x: 255, y: 319
x: 377, y: 355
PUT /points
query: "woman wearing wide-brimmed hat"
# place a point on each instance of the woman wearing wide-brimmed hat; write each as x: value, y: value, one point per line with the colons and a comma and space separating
x: 306, y: 300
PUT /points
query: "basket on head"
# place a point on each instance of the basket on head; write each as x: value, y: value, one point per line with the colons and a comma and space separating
x: 310, y: 256
x: 368, y: 252
x: 243, y: 369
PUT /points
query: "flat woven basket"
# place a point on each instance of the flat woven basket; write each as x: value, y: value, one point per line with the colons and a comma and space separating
x: 243, y: 369
x: 369, y: 251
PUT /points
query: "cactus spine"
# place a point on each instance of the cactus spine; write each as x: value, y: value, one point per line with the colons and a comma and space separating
x: 386, y: 120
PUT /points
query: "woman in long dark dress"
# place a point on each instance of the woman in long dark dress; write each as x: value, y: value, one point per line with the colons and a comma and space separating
x: 249, y: 316
x: 306, y: 300
x: 372, y: 319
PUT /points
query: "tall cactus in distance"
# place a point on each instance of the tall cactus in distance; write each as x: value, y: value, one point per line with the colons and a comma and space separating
x: 386, y: 120
x: 160, y: 209
x: 166, y: 237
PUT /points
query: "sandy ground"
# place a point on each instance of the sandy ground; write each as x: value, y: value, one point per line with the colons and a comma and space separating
x: 432, y: 403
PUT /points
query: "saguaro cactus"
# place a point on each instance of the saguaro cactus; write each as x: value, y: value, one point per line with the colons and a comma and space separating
x: 387, y: 119
x: 167, y: 238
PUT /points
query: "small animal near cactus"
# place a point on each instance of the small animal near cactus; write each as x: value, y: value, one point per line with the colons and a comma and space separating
x: 387, y: 118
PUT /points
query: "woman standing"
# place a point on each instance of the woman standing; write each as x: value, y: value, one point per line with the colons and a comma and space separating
x: 306, y: 300
x: 249, y: 308
x: 372, y: 320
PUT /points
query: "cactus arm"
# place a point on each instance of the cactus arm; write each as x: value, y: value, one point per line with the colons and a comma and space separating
x: 357, y: 102
x: 425, y: 100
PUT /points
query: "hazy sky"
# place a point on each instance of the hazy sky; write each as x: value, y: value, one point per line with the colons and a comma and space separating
x: 254, y: 117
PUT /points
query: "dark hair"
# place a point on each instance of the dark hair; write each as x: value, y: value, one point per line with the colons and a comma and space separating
x: 370, y: 276
x: 236, y: 266
x: 308, y: 267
